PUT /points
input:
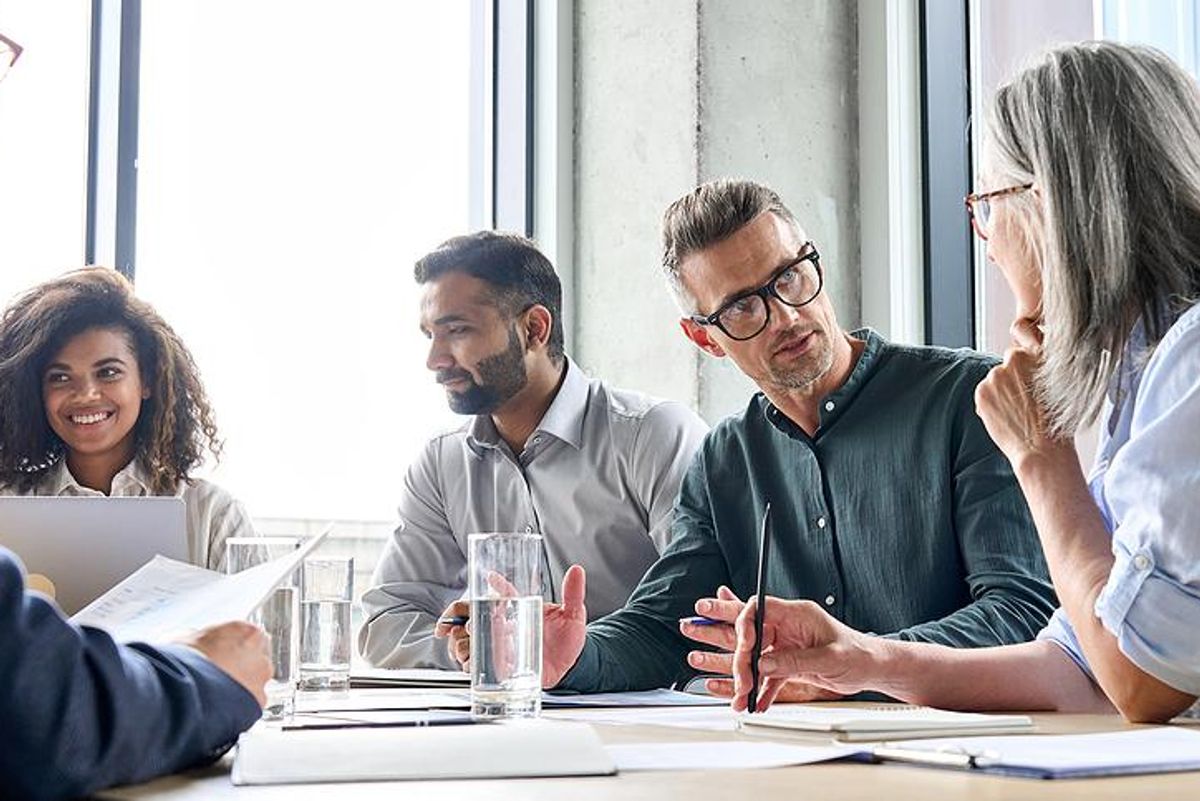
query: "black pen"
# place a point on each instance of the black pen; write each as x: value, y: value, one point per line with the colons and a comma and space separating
x: 764, y: 553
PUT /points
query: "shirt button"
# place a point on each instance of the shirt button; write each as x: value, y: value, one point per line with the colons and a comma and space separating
x: 536, y: 440
x: 1141, y: 562
x: 529, y: 529
x: 829, y: 406
x: 829, y: 600
x: 820, y: 522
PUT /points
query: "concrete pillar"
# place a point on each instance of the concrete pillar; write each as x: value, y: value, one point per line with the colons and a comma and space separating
x: 672, y: 93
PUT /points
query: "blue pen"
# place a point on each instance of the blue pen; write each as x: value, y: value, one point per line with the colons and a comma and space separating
x: 700, y: 620
x: 457, y: 620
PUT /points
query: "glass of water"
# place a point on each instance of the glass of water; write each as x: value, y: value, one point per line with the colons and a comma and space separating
x: 505, y: 590
x: 326, y: 592
x: 279, y: 616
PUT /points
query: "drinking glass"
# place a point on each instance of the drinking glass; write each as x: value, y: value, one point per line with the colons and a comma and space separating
x: 505, y: 591
x: 279, y: 615
x: 327, y: 588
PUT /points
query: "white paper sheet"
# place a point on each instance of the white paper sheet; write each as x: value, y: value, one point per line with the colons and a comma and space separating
x: 704, y: 719
x: 360, y: 700
x: 408, y: 677
x: 725, y: 755
x: 165, y: 598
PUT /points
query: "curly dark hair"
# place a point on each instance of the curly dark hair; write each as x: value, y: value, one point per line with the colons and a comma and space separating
x: 175, y: 425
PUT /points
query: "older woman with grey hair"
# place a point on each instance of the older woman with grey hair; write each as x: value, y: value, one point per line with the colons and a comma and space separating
x: 1093, y: 215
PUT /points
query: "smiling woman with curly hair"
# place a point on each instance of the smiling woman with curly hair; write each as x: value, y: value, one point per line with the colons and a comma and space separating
x: 98, y: 395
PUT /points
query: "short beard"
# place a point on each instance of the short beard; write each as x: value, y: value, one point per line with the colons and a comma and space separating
x: 501, y: 375
x: 805, y: 375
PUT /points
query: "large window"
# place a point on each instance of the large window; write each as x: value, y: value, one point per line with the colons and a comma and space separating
x: 43, y: 142
x: 294, y: 160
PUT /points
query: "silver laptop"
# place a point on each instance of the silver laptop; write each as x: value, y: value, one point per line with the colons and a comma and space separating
x: 84, y: 546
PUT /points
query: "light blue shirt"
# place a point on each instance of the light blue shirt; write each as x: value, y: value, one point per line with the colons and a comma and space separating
x: 1147, y: 484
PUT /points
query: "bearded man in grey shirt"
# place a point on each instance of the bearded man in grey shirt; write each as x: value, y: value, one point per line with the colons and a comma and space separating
x: 595, y: 470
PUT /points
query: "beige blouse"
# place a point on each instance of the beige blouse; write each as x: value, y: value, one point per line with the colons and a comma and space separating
x: 213, y: 515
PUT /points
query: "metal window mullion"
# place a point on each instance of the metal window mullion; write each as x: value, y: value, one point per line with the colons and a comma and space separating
x: 512, y: 120
x: 946, y: 166
x: 113, y: 134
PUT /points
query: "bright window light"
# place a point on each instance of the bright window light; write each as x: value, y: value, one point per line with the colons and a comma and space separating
x: 295, y: 159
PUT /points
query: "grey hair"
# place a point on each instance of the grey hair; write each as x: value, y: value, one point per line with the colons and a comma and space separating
x: 708, y: 214
x: 1109, y: 135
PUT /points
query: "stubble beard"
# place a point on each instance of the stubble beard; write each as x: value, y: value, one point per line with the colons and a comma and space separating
x: 811, y: 368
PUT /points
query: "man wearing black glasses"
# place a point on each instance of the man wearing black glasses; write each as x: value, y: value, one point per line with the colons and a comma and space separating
x: 79, y: 712
x: 891, y: 507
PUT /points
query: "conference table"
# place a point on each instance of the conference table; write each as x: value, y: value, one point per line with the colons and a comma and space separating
x: 827, y: 781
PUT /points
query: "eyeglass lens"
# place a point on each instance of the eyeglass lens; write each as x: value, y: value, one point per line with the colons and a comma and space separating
x: 795, y: 286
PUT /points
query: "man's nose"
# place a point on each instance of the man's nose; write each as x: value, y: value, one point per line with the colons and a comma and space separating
x: 783, y: 316
x: 439, y: 357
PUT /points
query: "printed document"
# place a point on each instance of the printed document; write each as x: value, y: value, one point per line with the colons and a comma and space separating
x: 165, y: 598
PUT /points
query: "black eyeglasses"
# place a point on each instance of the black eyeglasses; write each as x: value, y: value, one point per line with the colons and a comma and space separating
x: 10, y: 51
x: 795, y: 284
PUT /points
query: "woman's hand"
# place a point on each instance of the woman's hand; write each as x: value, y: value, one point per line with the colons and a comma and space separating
x: 803, y: 648
x: 1007, y: 405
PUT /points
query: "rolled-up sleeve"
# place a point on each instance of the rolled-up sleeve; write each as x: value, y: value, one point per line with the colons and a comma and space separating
x: 1151, y: 602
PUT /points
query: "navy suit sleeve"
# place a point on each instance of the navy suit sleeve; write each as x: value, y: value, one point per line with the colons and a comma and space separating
x: 80, y: 712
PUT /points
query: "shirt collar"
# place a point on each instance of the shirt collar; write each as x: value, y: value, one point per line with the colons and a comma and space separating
x: 833, y: 404
x: 131, y: 480
x: 563, y: 420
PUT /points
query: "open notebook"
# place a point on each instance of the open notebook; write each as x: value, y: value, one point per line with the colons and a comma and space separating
x: 885, y: 722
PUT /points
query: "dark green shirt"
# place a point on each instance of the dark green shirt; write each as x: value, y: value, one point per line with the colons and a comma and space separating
x: 900, y: 517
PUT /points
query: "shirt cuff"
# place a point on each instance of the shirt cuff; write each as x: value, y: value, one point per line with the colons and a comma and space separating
x: 584, y: 675
x: 1152, y: 616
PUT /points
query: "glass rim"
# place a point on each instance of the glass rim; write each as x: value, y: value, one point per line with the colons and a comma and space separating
x: 483, y: 535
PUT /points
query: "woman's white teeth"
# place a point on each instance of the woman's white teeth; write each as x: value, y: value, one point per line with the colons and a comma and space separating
x: 88, y: 419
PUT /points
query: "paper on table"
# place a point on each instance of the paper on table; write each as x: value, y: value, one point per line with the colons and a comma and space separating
x: 487, y: 750
x: 1063, y: 756
x: 730, y: 754
x: 659, y: 698
x: 376, y: 718
x: 361, y: 700
x: 706, y: 719
x: 165, y: 598
x: 866, y: 723
x: 408, y: 677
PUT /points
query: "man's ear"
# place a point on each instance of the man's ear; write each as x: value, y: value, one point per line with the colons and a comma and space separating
x: 698, y: 334
x: 538, y: 324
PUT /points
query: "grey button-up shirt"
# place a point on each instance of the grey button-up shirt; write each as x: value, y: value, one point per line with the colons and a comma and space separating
x: 597, y: 479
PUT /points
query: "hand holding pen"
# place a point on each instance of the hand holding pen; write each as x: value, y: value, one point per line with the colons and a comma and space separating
x: 799, y: 638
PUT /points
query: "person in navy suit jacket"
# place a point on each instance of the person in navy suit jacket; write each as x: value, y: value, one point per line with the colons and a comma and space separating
x: 79, y: 711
